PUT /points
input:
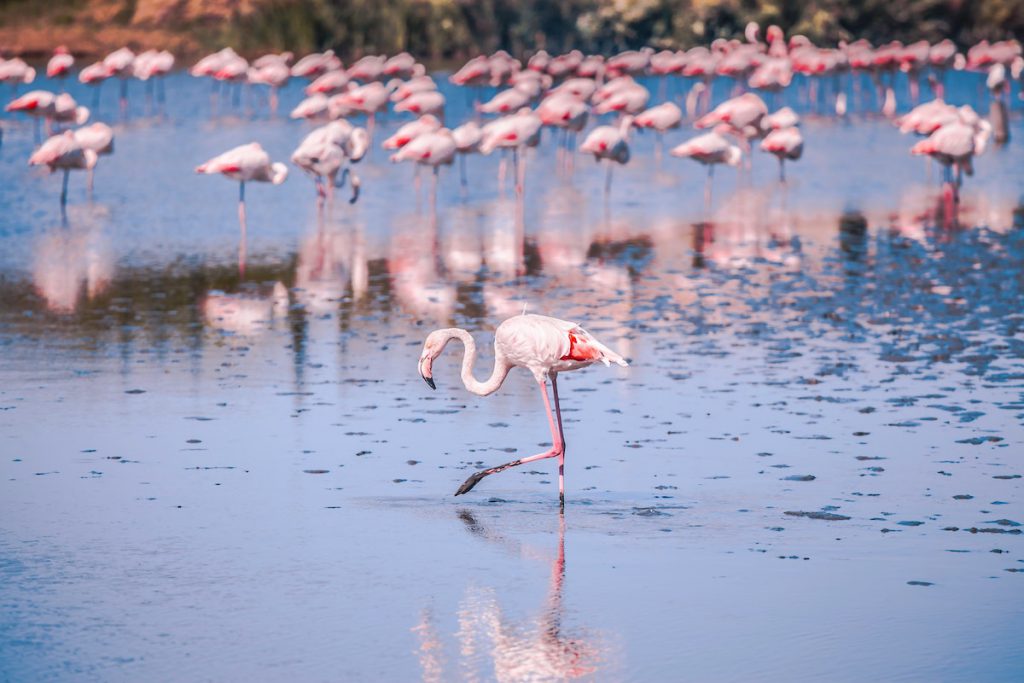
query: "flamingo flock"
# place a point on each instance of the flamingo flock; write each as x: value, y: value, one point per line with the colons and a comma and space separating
x: 605, y: 99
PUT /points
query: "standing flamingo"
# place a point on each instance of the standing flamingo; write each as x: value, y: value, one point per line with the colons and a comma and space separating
x: 784, y: 143
x: 429, y: 149
x: 65, y: 153
x: 245, y: 163
x: 98, y: 137
x: 611, y: 144
x: 709, y: 149
x: 60, y: 64
x: 324, y: 152
x: 544, y: 346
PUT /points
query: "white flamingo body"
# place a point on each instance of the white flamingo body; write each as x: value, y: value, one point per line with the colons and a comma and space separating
x: 412, y: 130
x: 710, y: 148
x: 660, y: 118
x: 15, y: 71
x: 246, y: 163
x: 506, y: 101
x: 424, y: 102
x: 60, y: 63
x: 98, y: 137
x: 543, y: 345
x: 428, y: 149
x: 313, y: 65
x: 412, y: 86
x: 329, y: 83
x: 325, y: 151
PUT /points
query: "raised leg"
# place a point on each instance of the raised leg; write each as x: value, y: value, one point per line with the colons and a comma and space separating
x: 557, y: 448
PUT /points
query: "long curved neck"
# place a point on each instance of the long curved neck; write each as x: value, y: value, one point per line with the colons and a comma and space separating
x: 498, y: 374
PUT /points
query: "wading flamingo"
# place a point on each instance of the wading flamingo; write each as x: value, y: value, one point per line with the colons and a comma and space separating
x: 545, y: 346
x: 63, y: 152
x: 245, y: 163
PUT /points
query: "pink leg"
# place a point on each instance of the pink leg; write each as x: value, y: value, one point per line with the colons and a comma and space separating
x: 557, y: 449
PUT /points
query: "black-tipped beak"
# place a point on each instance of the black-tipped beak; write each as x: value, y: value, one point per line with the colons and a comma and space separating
x: 430, y: 382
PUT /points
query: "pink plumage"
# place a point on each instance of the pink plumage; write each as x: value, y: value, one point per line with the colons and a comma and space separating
x: 543, y: 345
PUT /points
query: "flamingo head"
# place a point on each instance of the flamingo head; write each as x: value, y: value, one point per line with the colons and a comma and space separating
x: 433, y: 346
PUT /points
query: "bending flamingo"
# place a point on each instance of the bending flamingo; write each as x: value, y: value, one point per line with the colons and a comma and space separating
x: 544, y: 346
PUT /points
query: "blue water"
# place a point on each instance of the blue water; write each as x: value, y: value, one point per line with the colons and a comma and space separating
x: 206, y: 475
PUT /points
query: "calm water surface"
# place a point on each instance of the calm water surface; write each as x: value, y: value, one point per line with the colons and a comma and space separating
x: 810, y: 471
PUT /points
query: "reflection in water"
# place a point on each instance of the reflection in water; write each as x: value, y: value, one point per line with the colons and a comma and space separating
x: 73, y: 260
x: 494, y: 647
x: 245, y: 314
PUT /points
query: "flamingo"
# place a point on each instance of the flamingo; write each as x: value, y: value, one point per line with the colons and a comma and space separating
x: 784, y: 143
x: 98, y: 137
x: 955, y: 144
x: 245, y: 163
x: 313, y: 65
x: 564, y: 109
x: 369, y: 68
x: 611, y: 144
x: 272, y: 71
x: 404, y: 89
x: 60, y: 64
x: 325, y: 150
x: 515, y: 132
x: 467, y: 141
x: 429, y: 149
x: 412, y: 130
x: 63, y: 152
x: 402, y: 65
x: 506, y: 101
x: 660, y: 119
x: 545, y: 346
x: 119, y: 63
x: 151, y: 65
x: 15, y: 71
x: 709, y: 149
x: 423, y: 102
x: 329, y: 83
x: 313, y: 107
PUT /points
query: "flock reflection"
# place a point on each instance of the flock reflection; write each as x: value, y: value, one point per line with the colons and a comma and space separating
x: 477, y: 263
x: 494, y: 646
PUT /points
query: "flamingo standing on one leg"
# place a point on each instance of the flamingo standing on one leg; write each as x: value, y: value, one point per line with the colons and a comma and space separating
x: 611, y: 144
x: 709, y: 149
x: 245, y: 163
x: 784, y: 143
x: 63, y: 152
x: 60, y: 65
x: 98, y: 137
x: 544, y: 346
x: 429, y: 149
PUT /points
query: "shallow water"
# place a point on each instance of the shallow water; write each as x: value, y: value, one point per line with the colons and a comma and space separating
x: 810, y: 471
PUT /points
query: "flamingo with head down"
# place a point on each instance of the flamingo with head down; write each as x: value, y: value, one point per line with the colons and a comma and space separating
x: 545, y: 346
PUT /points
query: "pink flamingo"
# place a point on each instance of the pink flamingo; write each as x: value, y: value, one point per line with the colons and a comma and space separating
x: 955, y: 145
x: 120, y: 63
x: 566, y: 110
x: 99, y: 138
x: 709, y: 149
x: 402, y: 65
x: 544, y: 346
x: 313, y: 65
x: 404, y: 89
x: 60, y: 64
x: 329, y: 83
x: 429, y: 149
x: 151, y: 65
x: 16, y: 71
x: 65, y: 153
x: 467, y: 141
x: 412, y: 130
x: 506, y: 101
x: 424, y: 102
x: 272, y: 71
x: 784, y: 143
x: 245, y: 163
x: 325, y: 151
x: 660, y: 119
x: 369, y: 68
x: 611, y: 144
x: 516, y: 132
x: 743, y: 115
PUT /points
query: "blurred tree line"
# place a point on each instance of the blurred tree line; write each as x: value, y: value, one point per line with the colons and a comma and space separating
x: 453, y: 29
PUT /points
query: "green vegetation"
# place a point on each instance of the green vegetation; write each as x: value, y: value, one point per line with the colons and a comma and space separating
x: 453, y: 29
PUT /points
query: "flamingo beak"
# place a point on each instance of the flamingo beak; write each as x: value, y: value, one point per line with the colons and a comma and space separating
x: 425, y: 372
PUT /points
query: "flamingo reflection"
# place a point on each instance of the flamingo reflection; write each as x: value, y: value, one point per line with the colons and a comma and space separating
x: 72, y: 262
x: 540, y: 648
